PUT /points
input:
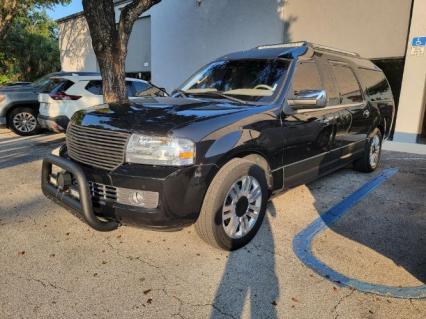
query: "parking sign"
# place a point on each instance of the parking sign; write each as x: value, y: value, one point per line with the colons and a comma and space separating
x: 418, y: 45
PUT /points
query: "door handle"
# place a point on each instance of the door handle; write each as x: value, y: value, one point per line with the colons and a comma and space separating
x: 366, y: 114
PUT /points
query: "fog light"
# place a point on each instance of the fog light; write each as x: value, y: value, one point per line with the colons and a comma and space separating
x: 63, y: 180
x: 145, y: 199
x: 137, y: 198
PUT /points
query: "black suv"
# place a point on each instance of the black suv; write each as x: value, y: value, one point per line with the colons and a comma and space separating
x: 246, y: 126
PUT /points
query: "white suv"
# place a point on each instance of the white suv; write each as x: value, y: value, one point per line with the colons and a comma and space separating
x: 65, y: 95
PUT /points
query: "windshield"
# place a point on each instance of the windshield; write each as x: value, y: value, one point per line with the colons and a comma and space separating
x: 250, y: 80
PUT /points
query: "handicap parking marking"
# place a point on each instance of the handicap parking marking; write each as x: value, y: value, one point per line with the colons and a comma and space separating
x: 302, y: 246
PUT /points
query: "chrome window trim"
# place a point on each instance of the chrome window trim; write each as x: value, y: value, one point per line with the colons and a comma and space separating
x: 335, y: 107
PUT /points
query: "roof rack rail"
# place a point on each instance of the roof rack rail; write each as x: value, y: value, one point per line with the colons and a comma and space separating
x: 282, y: 45
x: 330, y: 49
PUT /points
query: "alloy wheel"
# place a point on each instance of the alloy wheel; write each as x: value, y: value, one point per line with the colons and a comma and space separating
x: 24, y: 122
x: 241, y: 207
x: 375, y: 151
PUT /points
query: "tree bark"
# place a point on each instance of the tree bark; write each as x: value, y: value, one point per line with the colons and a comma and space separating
x: 110, y: 39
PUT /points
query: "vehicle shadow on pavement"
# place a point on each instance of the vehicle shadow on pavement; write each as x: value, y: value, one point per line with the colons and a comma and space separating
x: 20, y: 150
x: 389, y: 221
x: 249, y: 278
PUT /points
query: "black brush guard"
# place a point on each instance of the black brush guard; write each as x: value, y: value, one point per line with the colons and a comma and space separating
x: 84, y: 206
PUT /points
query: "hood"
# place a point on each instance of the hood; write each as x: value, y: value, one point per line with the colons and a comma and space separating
x: 17, y: 89
x: 158, y: 115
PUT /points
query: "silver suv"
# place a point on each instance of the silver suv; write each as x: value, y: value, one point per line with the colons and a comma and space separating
x: 19, y: 104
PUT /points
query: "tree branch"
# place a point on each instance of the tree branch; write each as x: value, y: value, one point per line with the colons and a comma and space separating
x: 129, y: 14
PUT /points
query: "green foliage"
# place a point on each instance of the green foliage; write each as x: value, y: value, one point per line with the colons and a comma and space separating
x: 13, y: 9
x: 30, y: 48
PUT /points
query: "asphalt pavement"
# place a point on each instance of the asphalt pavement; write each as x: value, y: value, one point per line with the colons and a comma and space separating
x: 54, y: 266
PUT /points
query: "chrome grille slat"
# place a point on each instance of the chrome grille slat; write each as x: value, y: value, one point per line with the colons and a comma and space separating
x: 91, y: 157
x: 96, y: 147
x: 100, y: 155
x: 98, y: 138
x: 99, y: 142
x: 97, y: 130
x: 98, y: 135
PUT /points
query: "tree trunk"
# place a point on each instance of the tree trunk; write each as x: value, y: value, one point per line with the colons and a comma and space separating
x: 110, y: 39
x: 112, y: 67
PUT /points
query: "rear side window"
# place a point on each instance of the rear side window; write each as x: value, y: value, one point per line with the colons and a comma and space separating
x: 377, y: 87
x: 94, y: 87
x: 57, y: 85
x: 130, y: 89
x: 306, y: 77
x: 350, y: 91
x: 140, y: 87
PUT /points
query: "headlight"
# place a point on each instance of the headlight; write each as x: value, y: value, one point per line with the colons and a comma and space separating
x: 153, y: 150
x: 2, y: 97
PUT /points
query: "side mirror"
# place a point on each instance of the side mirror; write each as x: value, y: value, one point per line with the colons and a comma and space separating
x: 308, y: 99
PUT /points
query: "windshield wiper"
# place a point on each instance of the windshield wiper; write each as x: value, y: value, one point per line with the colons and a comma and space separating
x: 218, y: 94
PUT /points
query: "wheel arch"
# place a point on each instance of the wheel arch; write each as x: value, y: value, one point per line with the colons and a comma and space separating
x: 32, y: 104
x: 254, y: 156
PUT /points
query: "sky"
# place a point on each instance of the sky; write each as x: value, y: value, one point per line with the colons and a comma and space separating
x: 60, y: 11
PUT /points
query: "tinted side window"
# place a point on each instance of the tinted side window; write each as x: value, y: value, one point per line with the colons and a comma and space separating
x: 130, y: 89
x: 350, y: 92
x: 377, y: 87
x: 140, y: 87
x: 306, y: 77
x: 95, y: 87
x: 56, y: 86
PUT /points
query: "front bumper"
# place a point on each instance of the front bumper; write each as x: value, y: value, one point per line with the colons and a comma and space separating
x: 181, y: 193
x: 3, y: 121
x: 56, y: 124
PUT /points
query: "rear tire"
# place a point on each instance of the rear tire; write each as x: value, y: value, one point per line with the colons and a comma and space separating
x: 234, y: 205
x: 370, y: 159
x: 23, y: 121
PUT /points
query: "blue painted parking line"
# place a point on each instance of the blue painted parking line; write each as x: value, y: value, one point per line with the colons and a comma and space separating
x: 302, y: 246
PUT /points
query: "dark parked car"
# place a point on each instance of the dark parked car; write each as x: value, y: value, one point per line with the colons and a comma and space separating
x: 247, y: 126
x: 19, y: 104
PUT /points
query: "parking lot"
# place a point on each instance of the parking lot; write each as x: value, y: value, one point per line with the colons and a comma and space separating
x: 54, y: 266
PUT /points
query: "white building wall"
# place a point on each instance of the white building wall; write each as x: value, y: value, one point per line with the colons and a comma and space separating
x: 373, y: 28
x: 186, y: 36
x: 75, y: 46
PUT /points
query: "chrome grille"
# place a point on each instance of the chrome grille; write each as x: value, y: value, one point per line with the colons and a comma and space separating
x: 96, y: 147
x: 102, y: 193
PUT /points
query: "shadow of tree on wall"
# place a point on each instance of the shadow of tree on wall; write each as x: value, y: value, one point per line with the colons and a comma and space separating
x: 75, y: 44
x: 287, y: 21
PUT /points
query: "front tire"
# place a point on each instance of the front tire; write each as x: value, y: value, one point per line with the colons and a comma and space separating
x: 23, y: 121
x: 234, y: 206
x: 370, y: 159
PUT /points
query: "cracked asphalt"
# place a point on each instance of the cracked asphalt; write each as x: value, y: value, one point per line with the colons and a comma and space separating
x: 54, y: 266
